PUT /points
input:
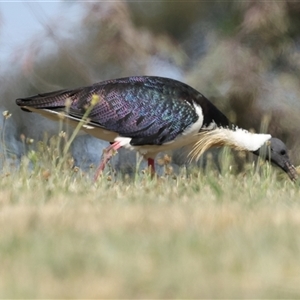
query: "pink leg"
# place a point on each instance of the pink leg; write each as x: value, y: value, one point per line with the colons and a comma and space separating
x: 151, y: 165
x: 106, y: 156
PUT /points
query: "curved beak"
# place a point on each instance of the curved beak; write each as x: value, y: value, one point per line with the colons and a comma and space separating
x: 284, y: 163
x: 290, y: 170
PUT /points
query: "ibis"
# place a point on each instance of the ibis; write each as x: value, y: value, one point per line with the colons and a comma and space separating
x: 152, y: 114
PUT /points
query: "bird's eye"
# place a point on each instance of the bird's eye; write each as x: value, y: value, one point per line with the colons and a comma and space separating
x: 282, y: 152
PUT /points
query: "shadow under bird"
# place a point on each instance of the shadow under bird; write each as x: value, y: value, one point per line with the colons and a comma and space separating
x: 153, y: 114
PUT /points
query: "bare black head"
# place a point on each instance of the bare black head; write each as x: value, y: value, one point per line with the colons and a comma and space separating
x: 276, y: 152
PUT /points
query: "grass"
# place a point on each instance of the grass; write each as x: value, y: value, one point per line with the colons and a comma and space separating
x: 206, y: 236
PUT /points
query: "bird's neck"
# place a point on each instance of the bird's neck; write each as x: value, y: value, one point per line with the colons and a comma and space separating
x: 242, y: 139
x: 237, y: 138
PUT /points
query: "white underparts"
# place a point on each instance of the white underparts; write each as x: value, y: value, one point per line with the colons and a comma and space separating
x: 124, y: 141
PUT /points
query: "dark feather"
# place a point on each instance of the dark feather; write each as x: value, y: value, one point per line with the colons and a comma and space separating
x: 150, y: 110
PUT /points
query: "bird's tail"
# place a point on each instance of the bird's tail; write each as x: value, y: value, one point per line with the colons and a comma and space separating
x: 52, y: 100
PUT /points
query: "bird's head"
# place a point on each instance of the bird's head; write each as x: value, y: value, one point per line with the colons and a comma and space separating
x: 276, y: 152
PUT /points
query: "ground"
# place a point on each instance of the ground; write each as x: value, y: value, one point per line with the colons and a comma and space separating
x: 205, y: 235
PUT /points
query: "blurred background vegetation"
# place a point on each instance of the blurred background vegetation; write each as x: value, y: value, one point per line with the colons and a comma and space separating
x: 243, y: 55
x: 205, y: 236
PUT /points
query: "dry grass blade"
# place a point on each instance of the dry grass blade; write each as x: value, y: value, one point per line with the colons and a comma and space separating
x: 63, y: 236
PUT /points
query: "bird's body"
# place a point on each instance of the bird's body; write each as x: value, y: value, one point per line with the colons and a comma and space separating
x: 146, y: 114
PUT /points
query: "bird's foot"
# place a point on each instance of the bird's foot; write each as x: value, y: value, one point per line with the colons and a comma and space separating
x: 106, y: 156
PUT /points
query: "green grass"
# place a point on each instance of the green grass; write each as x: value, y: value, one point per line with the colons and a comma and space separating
x: 206, y: 236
